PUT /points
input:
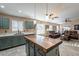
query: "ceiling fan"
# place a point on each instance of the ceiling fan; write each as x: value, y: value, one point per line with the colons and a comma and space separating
x: 67, y: 20
x: 51, y: 16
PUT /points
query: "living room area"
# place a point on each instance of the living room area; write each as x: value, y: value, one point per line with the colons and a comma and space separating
x: 58, y: 23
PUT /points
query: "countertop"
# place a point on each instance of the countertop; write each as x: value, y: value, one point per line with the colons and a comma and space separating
x: 45, y: 42
x: 15, y: 34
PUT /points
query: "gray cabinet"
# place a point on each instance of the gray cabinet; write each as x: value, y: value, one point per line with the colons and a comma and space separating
x: 4, y: 22
x: 20, y: 40
x: 29, y: 25
x: 14, y: 41
x: 0, y: 22
x: 5, y: 42
x: 11, y: 41
x: 1, y: 43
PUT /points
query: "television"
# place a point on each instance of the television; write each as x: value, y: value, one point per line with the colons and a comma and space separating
x: 76, y: 27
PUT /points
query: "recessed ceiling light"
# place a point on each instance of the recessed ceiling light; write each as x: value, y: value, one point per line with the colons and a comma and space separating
x: 19, y: 11
x: 2, y: 6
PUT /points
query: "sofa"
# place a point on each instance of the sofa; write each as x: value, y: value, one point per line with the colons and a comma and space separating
x: 53, y: 34
x: 70, y: 35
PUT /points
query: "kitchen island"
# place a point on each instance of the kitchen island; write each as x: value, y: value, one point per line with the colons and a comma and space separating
x: 38, y: 45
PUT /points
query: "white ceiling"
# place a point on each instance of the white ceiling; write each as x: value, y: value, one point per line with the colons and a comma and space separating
x: 64, y: 10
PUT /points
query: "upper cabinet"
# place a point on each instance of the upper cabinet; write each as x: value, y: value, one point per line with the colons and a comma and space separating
x: 29, y: 25
x: 4, y: 22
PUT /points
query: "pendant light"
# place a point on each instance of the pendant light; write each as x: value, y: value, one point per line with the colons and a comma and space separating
x: 46, y: 15
x: 34, y: 13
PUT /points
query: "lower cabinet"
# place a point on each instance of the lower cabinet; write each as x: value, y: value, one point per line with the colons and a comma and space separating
x: 5, y: 42
x: 21, y: 40
x: 11, y: 41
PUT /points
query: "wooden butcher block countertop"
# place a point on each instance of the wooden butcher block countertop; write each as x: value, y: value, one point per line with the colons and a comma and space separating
x: 44, y: 42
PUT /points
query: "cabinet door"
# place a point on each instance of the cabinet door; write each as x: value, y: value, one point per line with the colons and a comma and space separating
x: 14, y: 41
x: 5, y: 23
x: 28, y: 25
x: 17, y: 40
x: 4, y: 42
x: 8, y: 42
x: 0, y: 22
x: 20, y: 40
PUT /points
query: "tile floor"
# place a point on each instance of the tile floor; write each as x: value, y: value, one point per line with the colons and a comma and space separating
x: 67, y: 48
x: 17, y: 51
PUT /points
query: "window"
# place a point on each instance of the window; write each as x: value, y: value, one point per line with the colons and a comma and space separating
x: 66, y: 28
x: 40, y: 28
x: 17, y: 25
